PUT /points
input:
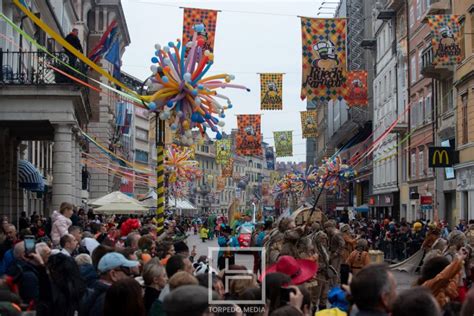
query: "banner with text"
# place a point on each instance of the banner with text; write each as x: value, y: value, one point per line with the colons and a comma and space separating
x: 271, y: 91
x: 249, y: 135
x: 324, y: 59
x: 357, y: 91
x: 283, y: 143
x: 309, y: 123
x: 446, y: 39
x: 205, y: 22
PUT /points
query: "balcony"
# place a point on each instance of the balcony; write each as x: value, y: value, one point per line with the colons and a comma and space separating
x: 33, y: 92
x: 429, y: 70
x: 395, y: 4
x: 439, y: 7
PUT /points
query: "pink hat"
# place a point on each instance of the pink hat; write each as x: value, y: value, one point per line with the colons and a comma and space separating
x: 299, y: 270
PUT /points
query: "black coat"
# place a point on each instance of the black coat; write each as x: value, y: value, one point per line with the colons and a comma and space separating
x: 74, y: 41
x: 26, y: 276
x: 93, y: 302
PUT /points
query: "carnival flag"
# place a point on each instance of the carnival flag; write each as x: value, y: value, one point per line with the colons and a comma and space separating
x: 274, y: 177
x: 249, y: 136
x: 223, y: 151
x: 445, y: 39
x: 357, y: 88
x: 271, y: 91
x: 309, y: 123
x: 204, y: 22
x: 324, y: 58
x: 283, y: 143
x: 228, y: 169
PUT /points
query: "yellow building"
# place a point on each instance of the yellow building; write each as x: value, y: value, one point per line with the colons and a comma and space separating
x: 464, y: 84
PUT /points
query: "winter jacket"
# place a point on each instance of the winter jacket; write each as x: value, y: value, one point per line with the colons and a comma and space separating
x: 89, y: 274
x: 26, y: 276
x: 93, y: 301
x: 60, y: 226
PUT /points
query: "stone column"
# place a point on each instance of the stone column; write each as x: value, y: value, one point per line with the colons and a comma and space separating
x: 78, y: 174
x: 62, y: 166
x: 73, y: 169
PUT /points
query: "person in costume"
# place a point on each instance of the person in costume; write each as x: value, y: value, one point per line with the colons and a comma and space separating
x: 336, y: 247
x: 226, y: 241
x: 245, y: 230
x: 274, y: 241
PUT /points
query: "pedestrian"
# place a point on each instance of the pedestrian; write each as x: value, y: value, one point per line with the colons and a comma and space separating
x: 175, y: 264
x: 73, y: 39
x: 61, y: 222
x: 68, y: 245
x: 65, y: 285
x: 203, y: 233
x: 226, y: 242
x: 155, y: 279
x: 189, y: 300
x: 112, y: 268
x: 124, y: 298
x: 417, y: 301
x: 373, y: 290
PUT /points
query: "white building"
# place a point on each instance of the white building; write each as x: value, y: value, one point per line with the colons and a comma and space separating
x: 385, y: 161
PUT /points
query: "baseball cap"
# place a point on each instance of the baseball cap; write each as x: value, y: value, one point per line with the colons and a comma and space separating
x: 114, y: 260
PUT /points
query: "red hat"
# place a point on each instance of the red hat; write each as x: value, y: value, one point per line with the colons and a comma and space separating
x: 299, y: 270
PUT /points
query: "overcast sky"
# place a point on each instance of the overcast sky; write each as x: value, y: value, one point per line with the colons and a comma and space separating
x: 263, y: 37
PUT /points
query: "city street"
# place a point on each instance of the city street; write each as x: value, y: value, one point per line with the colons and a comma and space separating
x: 404, y: 279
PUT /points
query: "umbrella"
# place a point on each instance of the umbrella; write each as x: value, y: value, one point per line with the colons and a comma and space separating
x: 121, y: 207
x: 113, y: 197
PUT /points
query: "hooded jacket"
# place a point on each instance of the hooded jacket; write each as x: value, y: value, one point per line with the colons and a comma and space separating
x: 60, y: 226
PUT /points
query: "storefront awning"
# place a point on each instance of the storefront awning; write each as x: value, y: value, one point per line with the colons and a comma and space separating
x: 362, y: 208
x: 29, y: 177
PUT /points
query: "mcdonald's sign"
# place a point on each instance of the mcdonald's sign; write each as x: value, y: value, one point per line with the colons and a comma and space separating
x: 442, y: 157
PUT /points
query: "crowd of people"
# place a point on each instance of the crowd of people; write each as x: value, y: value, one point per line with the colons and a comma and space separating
x: 78, y: 263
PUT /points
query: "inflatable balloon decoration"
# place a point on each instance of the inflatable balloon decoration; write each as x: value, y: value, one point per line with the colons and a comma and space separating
x: 179, y: 165
x: 337, y: 174
x: 290, y: 184
x: 180, y: 92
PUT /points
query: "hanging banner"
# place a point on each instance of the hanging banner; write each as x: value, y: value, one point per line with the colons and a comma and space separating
x: 228, y: 169
x: 270, y: 158
x: 204, y: 22
x: 220, y: 186
x: 283, y: 143
x: 249, y: 136
x: 309, y: 123
x: 357, y: 91
x: 271, y: 91
x: 223, y: 151
x: 446, y: 39
x: 324, y: 58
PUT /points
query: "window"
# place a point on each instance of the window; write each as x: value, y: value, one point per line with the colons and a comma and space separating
x: 141, y: 134
x: 419, y: 8
x: 413, y: 69
x: 413, y: 115
x: 404, y: 164
x: 421, y: 114
x: 389, y: 84
x: 465, y: 128
x: 428, y: 108
x: 427, y: 4
x: 429, y: 170
x: 413, y: 166
x: 420, y: 63
x: 141, y: 156
x: 421, y: 163
x: 411, y: 17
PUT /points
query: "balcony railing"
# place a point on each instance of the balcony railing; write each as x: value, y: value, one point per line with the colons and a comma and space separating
x: 34, y: 68
x: 429, y: 70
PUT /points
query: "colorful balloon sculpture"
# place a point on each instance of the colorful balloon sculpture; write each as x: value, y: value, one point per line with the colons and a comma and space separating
x: 180, y: 167
x: 181, y: 93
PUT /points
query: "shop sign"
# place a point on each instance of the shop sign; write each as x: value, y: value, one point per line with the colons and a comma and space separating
x: 426, y: 200
x: 371, y: 201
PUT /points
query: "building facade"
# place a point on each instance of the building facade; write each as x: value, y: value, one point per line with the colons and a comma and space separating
x: 464, y: 97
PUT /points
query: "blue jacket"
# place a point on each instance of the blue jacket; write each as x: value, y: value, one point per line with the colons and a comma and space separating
x: 6, y: 262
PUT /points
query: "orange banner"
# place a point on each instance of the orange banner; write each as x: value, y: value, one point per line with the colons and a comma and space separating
x: 357, y: 92
x: 249, y: 136
x: 206, y: 20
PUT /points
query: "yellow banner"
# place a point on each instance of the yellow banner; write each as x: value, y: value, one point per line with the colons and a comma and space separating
x: 309, y: 123
x: 446, y: 39
x: 324, y: 59
x: 271, y: 91
x: 283, y: 143
x: 223, y: 151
